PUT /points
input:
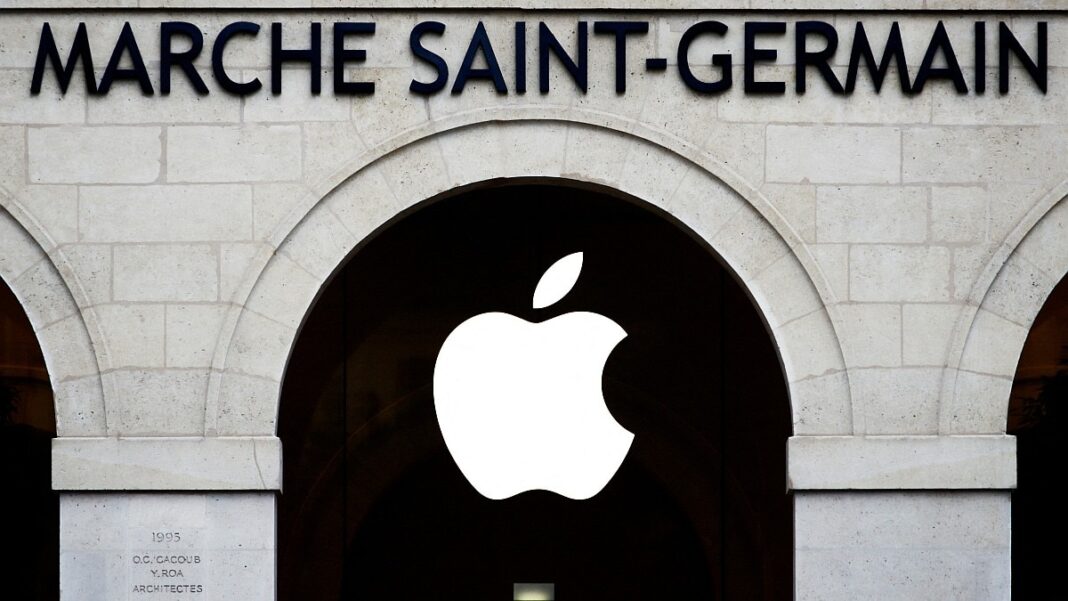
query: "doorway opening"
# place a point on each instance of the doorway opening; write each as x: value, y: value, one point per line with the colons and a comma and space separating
x: 29, y: 508
x: 375, y: 507
x: 1037, y: 417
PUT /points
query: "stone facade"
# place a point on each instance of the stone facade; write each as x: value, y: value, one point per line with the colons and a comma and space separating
x: 167, y: 249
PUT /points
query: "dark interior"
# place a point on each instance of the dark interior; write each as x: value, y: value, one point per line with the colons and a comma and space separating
x: 1037, y: 418
x: 29, y: 542
x: 374, y: 506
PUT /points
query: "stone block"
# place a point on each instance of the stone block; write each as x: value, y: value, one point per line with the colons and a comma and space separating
x: 68, y: 351
x: 320, y: 244
x: 51, y: 107
x: 246, y: 153
x: 192, y: 332
x: 821, y: 405
x: 965, y: 155
x: 127, y: 105
x: 94, y: 155
x: 833, y: 261
x: 296, y: 102
x: 55, y: 209
x: 330, y: 149
x: 259, y: 347
x: 821, y: 105
x: 785, y: 292
x: 994, y: 345
x: 134, y: 333
x: 833, y: 154
x: 901, y: 400
x: 239, y: 265
x: 901, y: 463
x: 122, y: 545
x: 166, y: 272
x: 809, y: 347
x: 871, y: 214
x: 91, y: 268
x: 392, y: 110
x: 273, y: 204
x: 902, y: 545
x: 797, y: 204
x: 926, y: 331
x: 172, y: 213
x: 13, y: 167
x: 44, y: 295
x: 889, y: 273
x: 979, y: 404
x: 18, y: 250
x: 167, y: 463
x: 80, y: 407
x: 1046, y: 245
x: 1019, y: 291
x: 871, y: 334
x: 248, y: 406
x: 749, y: 244
x: 365, y: 204
x: 959, y: 214
x: 284, y: 292
x: 157, y: 402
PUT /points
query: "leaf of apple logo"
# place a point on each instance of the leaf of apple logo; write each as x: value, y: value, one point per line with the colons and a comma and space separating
x: 520, y: 404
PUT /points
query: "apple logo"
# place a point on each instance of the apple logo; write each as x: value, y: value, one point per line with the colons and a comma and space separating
x: 520, y: 404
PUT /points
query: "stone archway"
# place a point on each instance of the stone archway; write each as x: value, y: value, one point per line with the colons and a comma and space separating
x: 249, y: 364
x: 976, y: 398
x: 68, y: 349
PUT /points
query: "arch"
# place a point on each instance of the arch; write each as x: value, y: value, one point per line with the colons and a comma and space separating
x: 761, y: 251
x: 65, y: 341
x: 1004, y: 303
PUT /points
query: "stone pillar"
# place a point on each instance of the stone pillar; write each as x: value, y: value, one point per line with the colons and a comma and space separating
x: 907, y: 518
x: 167, y: 518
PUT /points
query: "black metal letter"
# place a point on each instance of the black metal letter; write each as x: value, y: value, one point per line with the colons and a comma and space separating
x: 621, y: 29
x: 547, y: 42
x: 79, y: 51
x: 219, y: 69
x: 343, y: 55
x: 806, y: 59
x: 415, y: 41
x: 754, y: 55
x: 520, y: 57
x: 480, y: 41
x: 168, y: 58
x: 1035, y: 68
x: 313, y: 56
x: 894, y: 50
x: 940, y: 42
x: 126, y: 43
x: 723, y: 61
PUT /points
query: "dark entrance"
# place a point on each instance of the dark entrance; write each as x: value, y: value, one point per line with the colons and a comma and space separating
x: 29, y: 510
x: 1037, y: 416
x: 374, y: 506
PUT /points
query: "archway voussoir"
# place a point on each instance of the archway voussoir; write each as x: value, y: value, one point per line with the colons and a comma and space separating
x: 316, y: 245
x: 284, y: 292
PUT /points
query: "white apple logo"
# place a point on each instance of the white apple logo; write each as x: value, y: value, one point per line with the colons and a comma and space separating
x: 520, y: 404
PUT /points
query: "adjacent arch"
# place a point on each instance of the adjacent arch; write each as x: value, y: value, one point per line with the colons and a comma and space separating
x: 58, y: 323
x: 992, y: 333
x: 761, y: 251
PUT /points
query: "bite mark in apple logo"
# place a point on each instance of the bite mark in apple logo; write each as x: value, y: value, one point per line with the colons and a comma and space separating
x: 520, y: 404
